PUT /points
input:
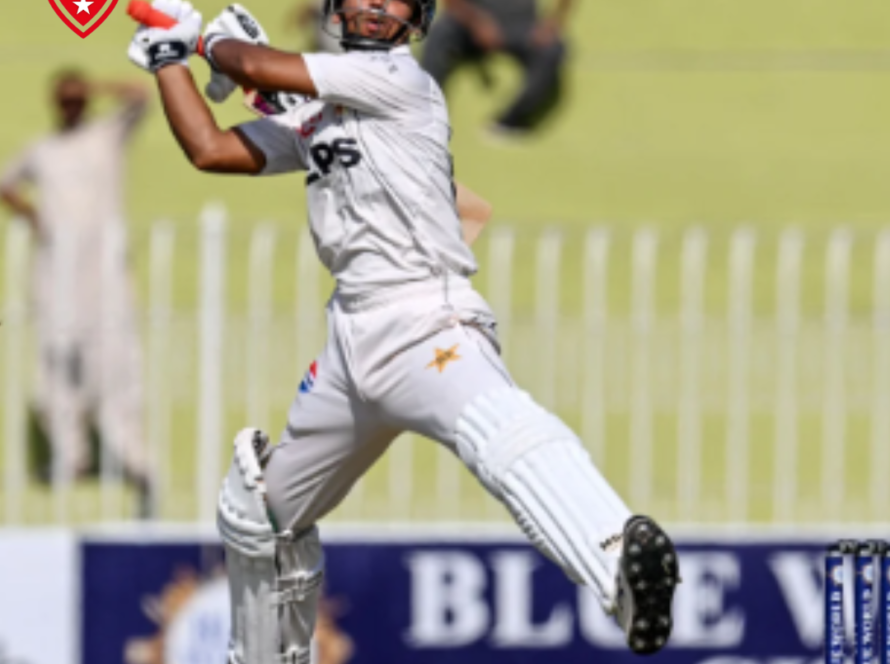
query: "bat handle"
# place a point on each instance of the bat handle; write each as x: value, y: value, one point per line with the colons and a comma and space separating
x: 142, y: 12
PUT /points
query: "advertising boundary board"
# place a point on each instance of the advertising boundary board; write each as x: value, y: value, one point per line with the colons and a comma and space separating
x: 39, y: 596
x: 449, y: 593
x: 476, y: 531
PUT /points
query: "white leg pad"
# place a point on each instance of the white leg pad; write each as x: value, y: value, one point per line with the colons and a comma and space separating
x: 274, y: 579
x: 537, y: 467
x: 300, y: 576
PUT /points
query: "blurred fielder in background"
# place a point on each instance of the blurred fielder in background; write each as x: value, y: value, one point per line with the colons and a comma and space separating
x: 90, y: 356
x: 411, y: 345
x: 472, y: 30
x: 309, y: 18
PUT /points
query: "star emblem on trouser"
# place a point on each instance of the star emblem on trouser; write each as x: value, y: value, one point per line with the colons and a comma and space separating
x: 443, y: 357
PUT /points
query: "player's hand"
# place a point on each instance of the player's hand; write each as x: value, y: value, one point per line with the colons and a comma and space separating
x: 235, y: 22
x: 154, y: 48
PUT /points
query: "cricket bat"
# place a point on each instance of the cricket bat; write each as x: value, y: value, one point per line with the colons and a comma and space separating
x: 474, y: 212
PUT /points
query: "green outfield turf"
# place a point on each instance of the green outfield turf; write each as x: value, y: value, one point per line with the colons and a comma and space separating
x: 768, y: 113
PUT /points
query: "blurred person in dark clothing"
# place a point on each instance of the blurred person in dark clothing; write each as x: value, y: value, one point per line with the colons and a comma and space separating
x: 470, y: 30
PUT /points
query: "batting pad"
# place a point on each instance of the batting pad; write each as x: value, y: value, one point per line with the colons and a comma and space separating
x: 536, y: 466
x: 274, y: 579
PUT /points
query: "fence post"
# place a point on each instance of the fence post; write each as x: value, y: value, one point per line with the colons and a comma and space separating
x: 308, y: 309
x: 596, y: 313
x: 113, y: 252
x: 14, y: 323
x: 547, y: 313
x: 741, y: 269
x: 880, y: 431
x: 401, y: 476
x: 161, y: 266
x: 500, y: 290
x: 643, y: 263
x: 692, y: 279
x: 837, y: 273
x: 500, y: 279
x: 787, y: 322
x: 261, y: 269
x: 448, y: 481
x: 211, y: 408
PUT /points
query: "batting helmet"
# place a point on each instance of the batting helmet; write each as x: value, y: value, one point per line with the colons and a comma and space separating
x: 420, y: 22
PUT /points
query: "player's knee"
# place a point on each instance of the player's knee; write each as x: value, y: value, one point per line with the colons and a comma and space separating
x: 242, y: 519
x: 501, y: 426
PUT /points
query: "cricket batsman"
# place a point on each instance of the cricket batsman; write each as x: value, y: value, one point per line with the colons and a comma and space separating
x: 411, y: 345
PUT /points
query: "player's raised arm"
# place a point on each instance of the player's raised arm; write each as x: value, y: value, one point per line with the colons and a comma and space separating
x: 236, y: 45
x: 207, y: 147
x: 15, y: 176
x: 261, y: 68
x: 165, y: 52
x: 370, y: 85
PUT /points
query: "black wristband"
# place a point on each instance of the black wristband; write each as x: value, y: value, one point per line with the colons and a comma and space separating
x: 165, y: 53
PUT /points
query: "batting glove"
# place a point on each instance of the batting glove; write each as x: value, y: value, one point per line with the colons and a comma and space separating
x: 235, y: 22
x: 155, y: 48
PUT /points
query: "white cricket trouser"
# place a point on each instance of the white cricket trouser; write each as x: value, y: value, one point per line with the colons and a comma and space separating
x: 406, y: 359
x: 422, y: 358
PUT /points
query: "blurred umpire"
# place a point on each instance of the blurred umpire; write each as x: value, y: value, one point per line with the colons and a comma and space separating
x: 90, y: 357
x: 469, y: 30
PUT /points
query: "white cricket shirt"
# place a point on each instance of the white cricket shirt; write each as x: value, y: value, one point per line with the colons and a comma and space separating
x: 379, y: 186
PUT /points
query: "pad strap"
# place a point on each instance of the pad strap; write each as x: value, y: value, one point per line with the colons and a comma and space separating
x: 302, y: 588
x: 300, y: 575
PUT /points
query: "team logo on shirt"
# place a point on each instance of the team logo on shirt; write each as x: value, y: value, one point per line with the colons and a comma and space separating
x: 444, y: 357
x: 83, y: 16
x: 308, y: 381
x: 324, y: 156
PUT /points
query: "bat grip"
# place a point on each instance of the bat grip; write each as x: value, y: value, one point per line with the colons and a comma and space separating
x: 142, y: 12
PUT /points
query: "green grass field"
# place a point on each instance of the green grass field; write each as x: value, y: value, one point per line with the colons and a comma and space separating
x: 680, y: 112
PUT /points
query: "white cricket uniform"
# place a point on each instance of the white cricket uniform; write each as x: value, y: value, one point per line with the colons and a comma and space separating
x: 375, y: 145
x: 410, y: 343
x: 90, y: 355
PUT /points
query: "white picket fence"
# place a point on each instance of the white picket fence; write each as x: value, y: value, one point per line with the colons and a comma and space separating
x: 732, y: 375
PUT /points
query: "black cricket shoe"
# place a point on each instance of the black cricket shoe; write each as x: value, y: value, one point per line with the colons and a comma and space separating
x: 648, y: 573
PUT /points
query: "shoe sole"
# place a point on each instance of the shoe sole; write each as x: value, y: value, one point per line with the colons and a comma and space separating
x: 652, y: 573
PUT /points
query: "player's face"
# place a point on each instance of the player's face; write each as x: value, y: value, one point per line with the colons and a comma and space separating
x: 71, y: 99
x: 378, y: 19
